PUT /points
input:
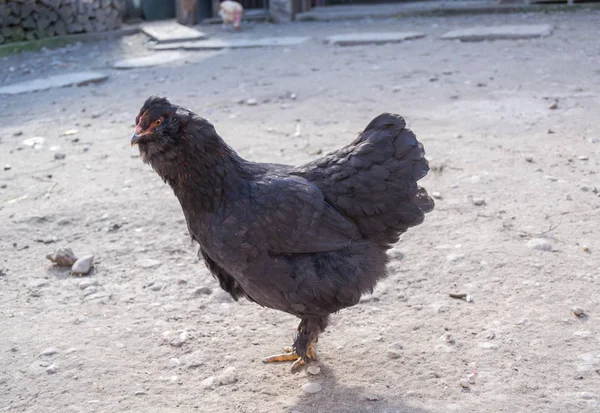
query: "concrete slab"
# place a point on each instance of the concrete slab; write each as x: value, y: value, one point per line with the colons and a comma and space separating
x: 171, y: 31
x: 372, y: 38
x: 69, y: 79
x: 476, y: 34
x: 217, y: 44
x: 155, y: 59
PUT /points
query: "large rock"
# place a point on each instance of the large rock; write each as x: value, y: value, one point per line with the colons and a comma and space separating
x: 60, y: 28
x: 475, y: 34
x: 74, y: 27
x: 28, y: 23
x: 170, y: 31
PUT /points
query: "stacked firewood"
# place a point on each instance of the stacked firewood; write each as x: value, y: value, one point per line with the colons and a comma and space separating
x: 35, y: 19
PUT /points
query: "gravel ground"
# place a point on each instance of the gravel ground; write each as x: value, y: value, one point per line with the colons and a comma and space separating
x: 511, y: 129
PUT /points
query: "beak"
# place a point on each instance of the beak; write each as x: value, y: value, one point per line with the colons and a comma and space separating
x: 137, y: 137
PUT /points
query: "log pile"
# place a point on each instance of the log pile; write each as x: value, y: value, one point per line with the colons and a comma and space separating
x: 36, y: 19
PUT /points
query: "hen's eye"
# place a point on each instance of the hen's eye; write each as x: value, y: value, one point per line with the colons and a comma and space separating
x: 157, y: 122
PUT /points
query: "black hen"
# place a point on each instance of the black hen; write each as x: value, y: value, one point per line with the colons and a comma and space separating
x: 306, y: 240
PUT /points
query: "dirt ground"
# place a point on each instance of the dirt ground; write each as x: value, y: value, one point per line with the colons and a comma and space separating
x: 512, y: 132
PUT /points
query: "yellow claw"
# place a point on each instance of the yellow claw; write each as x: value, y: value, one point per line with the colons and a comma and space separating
x: 291, y: 356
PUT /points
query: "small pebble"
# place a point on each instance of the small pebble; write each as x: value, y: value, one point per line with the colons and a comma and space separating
x: 488, y: 346
x: 7, y: 167
x: 157, y: 287
x: 251, y: 102
x: 18, y: 133
x: 92, y: 289
x: 314, y: 370
x: 202, y: 291
x: 228, y: 376
x: 454, y: 257
x: 63, y: 257
x: 140, y: 393
x: 395, y: 350
x: 207, y: 382
x: 59, y: 156
x: 587, y: 395
x: 87, y: 283
x: 36, y: 142
x: 472, y: 378
x: 464, y: 383
x: 551, y: 178
x: 447, y: 338
x: 70, y: 132
x: 478, y: 201
x: 539, y: 244
x: 311, y: 388
x: 529, y: 158
x: 583, y: 158
x: 371, y: 397
x: 50, y: 351
x: 52, y: 369
x: 578, y: 312
x: 83, y: 265
x: 568, y: 197
x: 436, y: 195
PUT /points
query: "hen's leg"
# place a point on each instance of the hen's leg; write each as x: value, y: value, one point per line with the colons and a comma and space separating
x: 304, y: 346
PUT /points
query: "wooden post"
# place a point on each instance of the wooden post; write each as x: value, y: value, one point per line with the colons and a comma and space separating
x: 187, y: 12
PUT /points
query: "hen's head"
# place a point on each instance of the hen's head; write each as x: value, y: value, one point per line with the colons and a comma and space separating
x: 158, y: 127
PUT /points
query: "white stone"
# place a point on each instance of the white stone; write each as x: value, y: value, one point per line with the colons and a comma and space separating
x: 155, y: 59
x: 311, y: 388
x: 488, y: 346
x: 509, y: 32
x: 539, y: 244
x: 171, y: 31
x: 83, y: 265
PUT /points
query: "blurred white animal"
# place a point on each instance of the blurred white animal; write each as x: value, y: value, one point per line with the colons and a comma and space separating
x: 231, y: 12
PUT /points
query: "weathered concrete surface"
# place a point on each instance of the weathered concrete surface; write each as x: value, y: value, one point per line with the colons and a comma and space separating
x: 476, y: 34
x: 217, y: 44
x: 171, y: 31
x: 155, y: 59
x: 69, y: 79
x: 427, y: 8
x: 372, y: 38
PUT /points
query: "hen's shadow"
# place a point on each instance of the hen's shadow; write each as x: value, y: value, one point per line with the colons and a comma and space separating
x: 336, y: 398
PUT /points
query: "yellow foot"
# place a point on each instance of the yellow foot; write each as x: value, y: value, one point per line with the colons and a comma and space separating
x: 290, y: 355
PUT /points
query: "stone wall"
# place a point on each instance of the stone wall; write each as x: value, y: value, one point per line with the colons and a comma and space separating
x: 35, y: 19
